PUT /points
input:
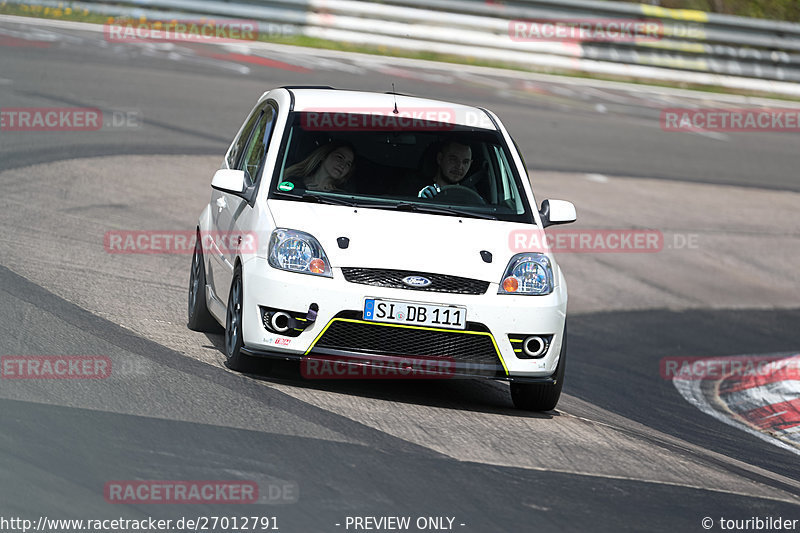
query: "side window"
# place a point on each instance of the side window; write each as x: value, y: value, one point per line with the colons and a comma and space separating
x: 235, y: 155
x: 508, y: 192
x: 257, y: 147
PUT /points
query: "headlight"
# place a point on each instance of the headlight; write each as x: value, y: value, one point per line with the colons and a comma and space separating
x: 297, y: 251
x: 527, y: 274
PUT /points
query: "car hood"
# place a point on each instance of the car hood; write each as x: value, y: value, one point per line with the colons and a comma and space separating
x: 380, y: 238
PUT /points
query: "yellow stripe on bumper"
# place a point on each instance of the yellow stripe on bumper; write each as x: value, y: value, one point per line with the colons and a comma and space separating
x: 382, y: 324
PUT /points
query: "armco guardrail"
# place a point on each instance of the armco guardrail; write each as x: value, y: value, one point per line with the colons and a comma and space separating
x: 689, y: 46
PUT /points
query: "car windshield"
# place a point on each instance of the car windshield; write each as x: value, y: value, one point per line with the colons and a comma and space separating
x: 420, y: 166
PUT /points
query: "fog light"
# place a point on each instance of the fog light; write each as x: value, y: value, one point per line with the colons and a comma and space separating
x: 527, y: 346
x: 534, y: 346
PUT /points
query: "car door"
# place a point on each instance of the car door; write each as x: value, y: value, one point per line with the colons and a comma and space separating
x: 227, y: 210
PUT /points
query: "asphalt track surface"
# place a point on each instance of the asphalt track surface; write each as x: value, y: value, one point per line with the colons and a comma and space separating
x: 623, y: 451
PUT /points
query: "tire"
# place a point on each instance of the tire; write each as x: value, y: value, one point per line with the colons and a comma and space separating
x: 544, y: 396
x: 233, y: 326
x: 200, y: 318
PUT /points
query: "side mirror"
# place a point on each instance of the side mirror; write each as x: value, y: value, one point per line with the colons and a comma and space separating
x: 230, y: 181
x: 557, y: 212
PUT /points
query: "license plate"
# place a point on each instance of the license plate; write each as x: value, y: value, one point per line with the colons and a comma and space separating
x: 417, y: 314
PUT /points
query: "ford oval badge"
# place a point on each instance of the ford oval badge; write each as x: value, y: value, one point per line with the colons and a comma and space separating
x: 416, y: 281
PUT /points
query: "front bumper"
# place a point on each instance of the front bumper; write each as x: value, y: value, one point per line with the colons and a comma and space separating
x: 362, y: 367
x: 483, y: 350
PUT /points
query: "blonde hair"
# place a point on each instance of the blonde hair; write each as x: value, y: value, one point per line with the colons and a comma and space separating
x: 308, y: 166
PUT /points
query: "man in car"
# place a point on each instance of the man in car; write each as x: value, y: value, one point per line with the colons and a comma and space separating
x: 452, y: 163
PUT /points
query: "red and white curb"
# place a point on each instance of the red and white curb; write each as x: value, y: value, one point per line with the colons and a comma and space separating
x: 764, y: 402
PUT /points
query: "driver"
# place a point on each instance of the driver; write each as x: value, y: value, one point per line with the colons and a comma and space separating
x: 452, y: 163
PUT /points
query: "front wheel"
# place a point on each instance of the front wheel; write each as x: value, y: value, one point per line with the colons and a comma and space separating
x: 199, y: 318
x: 541, y: 396
x: 233, y: 325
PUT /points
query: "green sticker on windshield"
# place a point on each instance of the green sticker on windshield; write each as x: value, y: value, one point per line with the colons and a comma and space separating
x: 285, y: 186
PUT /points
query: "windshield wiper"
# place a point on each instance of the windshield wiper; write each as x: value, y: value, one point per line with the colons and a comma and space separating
x: 308, y: 197
x: 402, y: 206
x: 437, y: 210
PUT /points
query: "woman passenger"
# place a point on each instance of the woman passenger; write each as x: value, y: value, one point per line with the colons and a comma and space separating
x: 326, y: 169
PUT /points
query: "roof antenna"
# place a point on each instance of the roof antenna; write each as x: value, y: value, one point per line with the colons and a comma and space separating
x: 394, y: 94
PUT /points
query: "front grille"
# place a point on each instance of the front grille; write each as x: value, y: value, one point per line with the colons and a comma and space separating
x: 473, y: 349
x: 381, y: 277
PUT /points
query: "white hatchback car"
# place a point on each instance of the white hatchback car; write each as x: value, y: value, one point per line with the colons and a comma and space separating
x: 373, y: 233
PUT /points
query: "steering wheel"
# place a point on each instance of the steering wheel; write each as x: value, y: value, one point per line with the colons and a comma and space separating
x: 459, y: 194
